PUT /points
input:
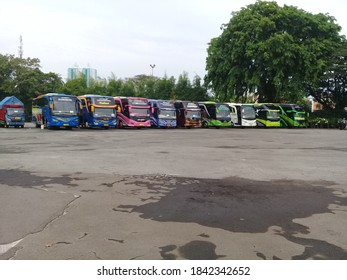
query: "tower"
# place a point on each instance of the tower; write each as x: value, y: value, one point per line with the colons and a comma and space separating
x: 20, y: 49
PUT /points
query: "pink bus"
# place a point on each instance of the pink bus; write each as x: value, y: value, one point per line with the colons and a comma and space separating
x: 132, y: 112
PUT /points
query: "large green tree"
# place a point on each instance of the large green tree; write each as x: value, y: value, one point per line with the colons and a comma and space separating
x: 331, y: 90
x: 23, y: 78
x: 165, y: 88
x: 271, y: 52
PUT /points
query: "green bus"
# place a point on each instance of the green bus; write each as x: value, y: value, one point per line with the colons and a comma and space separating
x: 215, y: 114
x: 267, y: 115
x: 292, y: 115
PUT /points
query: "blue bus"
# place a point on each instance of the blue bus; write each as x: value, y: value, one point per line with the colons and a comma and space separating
x: 163, y: 113
x: 98, y: 111
x: 55, y: 110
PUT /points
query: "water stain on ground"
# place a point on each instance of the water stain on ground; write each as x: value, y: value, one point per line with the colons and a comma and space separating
x: 194, y: 250
x: 238, y: 205
x: 243, y: 205
x: 26, y: 179
x: 199, y: 250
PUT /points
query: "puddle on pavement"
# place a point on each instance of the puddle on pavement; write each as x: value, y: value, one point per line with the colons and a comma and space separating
x: 236, y: 204
x: 242, y: 205
x: 194, y: 250
x: 25, y: 179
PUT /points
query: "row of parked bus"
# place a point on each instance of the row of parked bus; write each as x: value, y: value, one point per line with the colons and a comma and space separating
x: 62, y: 110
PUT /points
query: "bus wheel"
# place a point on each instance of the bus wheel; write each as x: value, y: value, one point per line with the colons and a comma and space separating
x: 204, y: 125
x: 120, y: 124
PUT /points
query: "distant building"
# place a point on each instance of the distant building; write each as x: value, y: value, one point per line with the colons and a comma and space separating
x: 315, y: 106
x: 76, y: 72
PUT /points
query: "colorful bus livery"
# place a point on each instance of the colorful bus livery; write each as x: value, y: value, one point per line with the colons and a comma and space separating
x: 132, y: 112
x: 55, y: 110
x: 267, y: 115
x: 215, y: 114
x: 188, y: 114
x: 98, y: 111
x: 163, y: 113
x: 243, y: 115
x: 292, y: 115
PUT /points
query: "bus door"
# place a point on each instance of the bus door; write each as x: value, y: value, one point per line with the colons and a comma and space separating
x: 180, y: 114
x: 234, y: 115
x: 154, y: 112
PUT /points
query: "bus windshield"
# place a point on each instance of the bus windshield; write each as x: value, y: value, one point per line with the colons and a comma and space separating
x: 193, y: 114
x: 139, y: 111
x: 166, y: 104
x: 167, y: 114
x: 64, y: 105
x: 137, y: 102
x: 15, y: 112
x: 223, y: 112
x: 248, y: 113
x: 104, y: 101
x: 104, y: 112
x: 273, y: 115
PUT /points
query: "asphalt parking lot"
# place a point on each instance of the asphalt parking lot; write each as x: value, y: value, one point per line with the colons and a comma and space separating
x: 173, y: 194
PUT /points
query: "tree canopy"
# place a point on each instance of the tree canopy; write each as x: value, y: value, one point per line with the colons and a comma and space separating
x: 142, y: 86
x: 23, y: 78
x: 271, y: 52
x: 331, y: 89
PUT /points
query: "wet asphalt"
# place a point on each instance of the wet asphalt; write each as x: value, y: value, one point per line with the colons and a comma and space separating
x: 173, y: 194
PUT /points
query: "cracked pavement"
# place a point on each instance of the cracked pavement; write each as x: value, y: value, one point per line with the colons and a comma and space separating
x: 173, y: 194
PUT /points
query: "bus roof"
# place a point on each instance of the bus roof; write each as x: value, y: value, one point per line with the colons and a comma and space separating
x: 207, y: 102
x: 94, y: 95
x: 53, y: 94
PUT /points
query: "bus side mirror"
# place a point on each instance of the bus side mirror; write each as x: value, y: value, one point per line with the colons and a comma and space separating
x: 92, y: 109
x: 51, y: 106
x: 119, y: 109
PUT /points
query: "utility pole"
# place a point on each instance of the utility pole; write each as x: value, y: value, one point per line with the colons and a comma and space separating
x: 20, y: 49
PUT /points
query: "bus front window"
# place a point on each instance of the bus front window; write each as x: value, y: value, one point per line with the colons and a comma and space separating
x: 15, y: 112
x: 167, y: 114
x: 139, y: 112
x: 273, y: 115
x: 104, y: 112
x: 193, y: 114
x: 223, y: 113
x: 64, y: 106
x: 248, y: 113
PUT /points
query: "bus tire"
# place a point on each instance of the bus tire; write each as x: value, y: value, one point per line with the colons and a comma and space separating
x: 204, y: 125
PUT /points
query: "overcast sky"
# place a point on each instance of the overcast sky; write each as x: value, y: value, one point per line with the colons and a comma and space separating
x: 125, y: 36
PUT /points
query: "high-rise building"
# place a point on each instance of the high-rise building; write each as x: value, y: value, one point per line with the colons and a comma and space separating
x: 76, y: 72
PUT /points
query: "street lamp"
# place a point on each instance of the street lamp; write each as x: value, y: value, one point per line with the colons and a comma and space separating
x: 152, y: 66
